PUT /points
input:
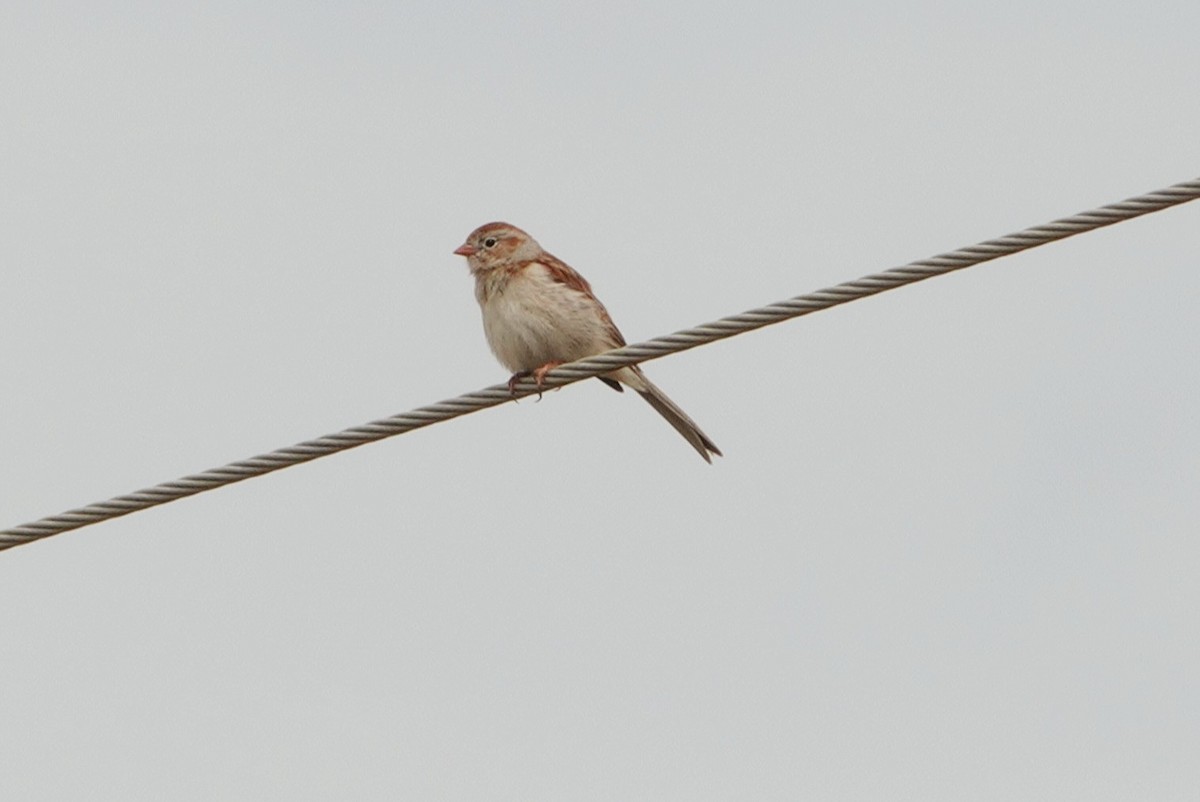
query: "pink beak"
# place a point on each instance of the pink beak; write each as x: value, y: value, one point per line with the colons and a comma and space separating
x: 465, y: 250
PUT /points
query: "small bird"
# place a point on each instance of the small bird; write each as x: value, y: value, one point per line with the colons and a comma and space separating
x: 539, y: 313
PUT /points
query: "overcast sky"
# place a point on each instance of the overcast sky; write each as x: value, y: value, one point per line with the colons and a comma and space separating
x: 951, y: 552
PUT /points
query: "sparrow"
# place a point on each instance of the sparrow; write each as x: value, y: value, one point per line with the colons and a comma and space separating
x: 539, y: 313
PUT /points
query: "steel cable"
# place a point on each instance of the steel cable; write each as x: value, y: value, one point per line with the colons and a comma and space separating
x: 603, y: 363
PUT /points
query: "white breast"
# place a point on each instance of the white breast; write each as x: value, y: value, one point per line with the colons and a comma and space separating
x: 530, y: 320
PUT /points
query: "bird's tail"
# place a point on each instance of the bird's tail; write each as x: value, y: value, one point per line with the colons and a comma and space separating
x: 670, y: 410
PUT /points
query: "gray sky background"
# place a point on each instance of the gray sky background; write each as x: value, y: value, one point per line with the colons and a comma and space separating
x: 952, y: 550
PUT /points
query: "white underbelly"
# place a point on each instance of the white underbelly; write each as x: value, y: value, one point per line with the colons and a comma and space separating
x: 530, y: 324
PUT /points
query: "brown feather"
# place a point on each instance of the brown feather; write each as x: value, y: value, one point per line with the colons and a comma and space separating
x: 563, y: 273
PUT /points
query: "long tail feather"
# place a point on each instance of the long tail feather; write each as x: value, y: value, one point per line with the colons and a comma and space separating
x: 675, y: 416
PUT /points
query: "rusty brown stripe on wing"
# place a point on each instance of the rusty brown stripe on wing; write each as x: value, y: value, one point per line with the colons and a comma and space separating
x: 564, y: 274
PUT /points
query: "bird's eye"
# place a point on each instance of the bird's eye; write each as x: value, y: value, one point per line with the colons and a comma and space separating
x: 489, y: 242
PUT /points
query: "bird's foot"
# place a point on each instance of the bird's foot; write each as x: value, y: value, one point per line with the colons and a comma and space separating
x: 539, y: 376
x: 516, y: 377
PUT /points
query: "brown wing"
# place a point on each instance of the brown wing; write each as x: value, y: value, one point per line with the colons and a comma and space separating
x: 564, y: 274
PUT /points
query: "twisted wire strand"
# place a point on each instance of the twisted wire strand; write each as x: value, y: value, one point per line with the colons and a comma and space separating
x: 603, y: 363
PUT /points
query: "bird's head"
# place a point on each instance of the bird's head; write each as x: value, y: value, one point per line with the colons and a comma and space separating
x: 495, y: 245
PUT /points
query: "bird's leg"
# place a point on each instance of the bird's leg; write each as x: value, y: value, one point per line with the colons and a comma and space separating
x: 516, y: 377
x: 539, y: 375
